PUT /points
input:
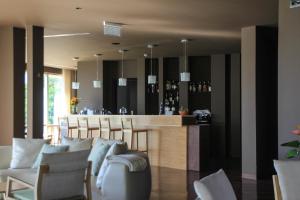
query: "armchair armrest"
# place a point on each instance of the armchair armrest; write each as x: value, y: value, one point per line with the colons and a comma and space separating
x: 134, y: 163
x: 5, y: 155
x: 131, y: 182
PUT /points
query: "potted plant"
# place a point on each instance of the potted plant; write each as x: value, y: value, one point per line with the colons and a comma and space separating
x: 183, y: 111
x: 294, y: 152
x: 74, y: 102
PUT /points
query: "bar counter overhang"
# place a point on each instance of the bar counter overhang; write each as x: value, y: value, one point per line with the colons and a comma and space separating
x: 171, y: 139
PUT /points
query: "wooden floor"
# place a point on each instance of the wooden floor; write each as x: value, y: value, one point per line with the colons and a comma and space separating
x: 170, y: 184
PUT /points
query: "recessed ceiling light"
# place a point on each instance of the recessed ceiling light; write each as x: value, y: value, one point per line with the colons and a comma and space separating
x: 66, y: 35
x: 112, y: 28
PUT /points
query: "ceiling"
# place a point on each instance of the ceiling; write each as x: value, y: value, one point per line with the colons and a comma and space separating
x: 213, y: 25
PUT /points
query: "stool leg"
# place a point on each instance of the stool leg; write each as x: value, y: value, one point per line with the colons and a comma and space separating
x: 131, y: 141
x: 147, y: 142
x: 137, y: 141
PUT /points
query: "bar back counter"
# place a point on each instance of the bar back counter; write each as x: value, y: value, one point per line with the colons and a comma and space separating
x: 173, y: 141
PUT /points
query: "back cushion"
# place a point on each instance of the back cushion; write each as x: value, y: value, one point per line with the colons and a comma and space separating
x: 215, y: 187
x: 289, y: 178
x: 25, y: 151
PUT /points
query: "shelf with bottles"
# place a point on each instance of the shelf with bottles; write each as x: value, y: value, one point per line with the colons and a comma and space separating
x: 171, y: 97
x: 152, y: 88
x: 200, y: 87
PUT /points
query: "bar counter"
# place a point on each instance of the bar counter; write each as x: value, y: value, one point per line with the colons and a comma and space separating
x: 168, y: 136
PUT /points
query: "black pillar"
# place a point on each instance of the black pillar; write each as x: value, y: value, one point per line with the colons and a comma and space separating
x: 38, y: 81
x: 19, y: 66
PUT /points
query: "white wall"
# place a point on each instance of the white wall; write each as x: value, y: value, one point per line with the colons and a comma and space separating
x: 288, y: 73
x: 6, y: 85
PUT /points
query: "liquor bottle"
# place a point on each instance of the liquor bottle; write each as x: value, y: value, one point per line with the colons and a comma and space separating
x: 204, y: 87
x: 194, y: 88
x: 209, y: 86
x: 191, y: 87
x: 200, y: 87
x: 161, y: 109
x: 177, y: 97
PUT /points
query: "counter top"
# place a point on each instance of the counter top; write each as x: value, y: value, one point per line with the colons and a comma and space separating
x: 145, y: 120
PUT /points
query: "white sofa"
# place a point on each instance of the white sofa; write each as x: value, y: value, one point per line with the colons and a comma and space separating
x: 120, y: 182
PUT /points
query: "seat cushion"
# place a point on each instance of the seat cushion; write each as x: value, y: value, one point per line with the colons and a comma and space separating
x: 289, y: 178
x: 215, y: 187
x: 26, y: 194
x: 26, y: 175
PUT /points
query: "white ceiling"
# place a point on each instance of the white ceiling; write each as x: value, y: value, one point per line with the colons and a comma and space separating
x: 214, y: 25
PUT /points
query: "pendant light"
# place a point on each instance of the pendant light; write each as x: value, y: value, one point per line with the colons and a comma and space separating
x: 97, y: 83
x: 75, y: 84
x: 122, y: 80
x: 151, y: 77
x: 185, y: 76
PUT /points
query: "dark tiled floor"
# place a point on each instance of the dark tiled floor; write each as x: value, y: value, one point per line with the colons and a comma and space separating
x: 171, y: 184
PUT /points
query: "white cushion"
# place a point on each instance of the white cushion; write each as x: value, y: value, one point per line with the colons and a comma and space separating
x: 5, y: 156
x: 76, y: 144
x: 25, y: 151
x: 215, y: 187
x: 115, y: 149
x: 289, y: 178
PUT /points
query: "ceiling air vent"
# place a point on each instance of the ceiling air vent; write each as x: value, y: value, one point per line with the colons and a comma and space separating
x: 112, y: 29
x: 295, y: 3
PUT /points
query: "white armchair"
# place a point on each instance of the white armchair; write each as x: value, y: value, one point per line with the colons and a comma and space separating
x: 60, y: 176
x: 215, y: 187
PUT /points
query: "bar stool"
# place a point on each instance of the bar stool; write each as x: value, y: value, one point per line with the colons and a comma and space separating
x: 127, y: 127
x: 104, y: 126
x: 83, y: 125
x: 64, y: 125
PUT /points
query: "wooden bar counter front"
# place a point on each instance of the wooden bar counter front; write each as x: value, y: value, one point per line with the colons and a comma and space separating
x: 167, y: 136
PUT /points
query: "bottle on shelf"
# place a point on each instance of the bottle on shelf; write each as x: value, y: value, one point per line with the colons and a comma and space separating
x: 204, y: 87
x: 209, y: 86
x: 194, y: 88
x: 200, y: 87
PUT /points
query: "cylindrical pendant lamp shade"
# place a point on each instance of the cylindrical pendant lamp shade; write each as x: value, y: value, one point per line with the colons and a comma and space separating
x: 185, y: 76
x: 97, y: 84
x: 75, y: 85
x: 122, y: 81
x: 151, y: 79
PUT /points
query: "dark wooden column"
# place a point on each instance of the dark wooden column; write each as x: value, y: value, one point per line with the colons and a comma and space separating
x: 35, y: 70
x: 19, y: 67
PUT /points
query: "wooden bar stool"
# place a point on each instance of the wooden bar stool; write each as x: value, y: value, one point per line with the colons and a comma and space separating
x: 83, y: 126
x: 64, y: 125
x: 105, y: 126
x: 127, y: 127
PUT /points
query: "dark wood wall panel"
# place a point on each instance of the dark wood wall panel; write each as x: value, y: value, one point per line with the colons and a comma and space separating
x: 38, y: 81
x: 200, y: 69
x: 266, y: 100
x: 19, y: 81
x: 151, y: 99
x: 110, y: 76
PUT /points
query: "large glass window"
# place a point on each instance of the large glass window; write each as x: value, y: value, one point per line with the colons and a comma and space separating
x: 53, y: 98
